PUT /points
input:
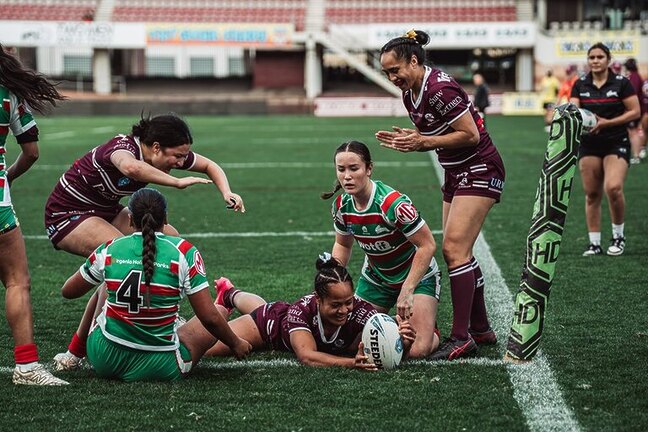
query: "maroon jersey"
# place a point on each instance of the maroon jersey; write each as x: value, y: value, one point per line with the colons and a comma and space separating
x: 94, y: 181
x: 441, y: 102
x: 276, y: 321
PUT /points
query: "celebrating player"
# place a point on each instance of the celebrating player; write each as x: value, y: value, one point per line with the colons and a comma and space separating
x: 399, y: 267
x: 137, y: 336
x: 604, y: 153
x: 321, y: 328
x: 83, y: 210
x: 20, y: 89
x: 447, y: 122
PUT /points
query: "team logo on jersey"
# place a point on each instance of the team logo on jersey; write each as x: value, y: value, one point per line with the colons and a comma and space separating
x: 123, y: 181
x: 381, y: 229
x: 365, y: 230
x: 612, y: 93
x: 406, y: 213
x: 339, y: 343
x: 199, y: 264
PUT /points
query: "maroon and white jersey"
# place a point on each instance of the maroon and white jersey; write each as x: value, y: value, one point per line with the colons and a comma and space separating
x: 94, y: 181
x: 440, y: 103
x: 304, y: 315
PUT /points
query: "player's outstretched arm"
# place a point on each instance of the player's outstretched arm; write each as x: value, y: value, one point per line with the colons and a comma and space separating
x: 140, y: 171
x: 219, y: 178
x: 305, y: 349
x: 425, y: 248
x: 342, y: 248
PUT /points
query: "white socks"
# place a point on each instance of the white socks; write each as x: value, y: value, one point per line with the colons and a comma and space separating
x: 26, y: 367
x: 595, y: 238
x: 617, y: 230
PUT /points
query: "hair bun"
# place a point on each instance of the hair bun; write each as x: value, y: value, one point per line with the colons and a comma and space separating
x: 326, y: 260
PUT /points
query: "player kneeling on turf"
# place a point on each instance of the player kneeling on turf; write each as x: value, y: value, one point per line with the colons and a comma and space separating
x: 137, y: 335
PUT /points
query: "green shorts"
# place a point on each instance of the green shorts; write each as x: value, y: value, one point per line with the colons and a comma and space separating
x: 115, y: 361
x: 8, y: 219
x: 385, y: 296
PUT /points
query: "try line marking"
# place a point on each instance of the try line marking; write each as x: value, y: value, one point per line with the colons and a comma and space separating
x: 534, y: 386
x: 304, y: 234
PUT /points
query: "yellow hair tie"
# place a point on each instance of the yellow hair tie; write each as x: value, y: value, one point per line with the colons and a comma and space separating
x: 411, y: 34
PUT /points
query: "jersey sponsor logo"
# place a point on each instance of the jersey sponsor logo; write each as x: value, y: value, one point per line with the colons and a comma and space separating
x: 586, y: 94
x: 379, y: 246
x: 443, y: 77
x: 381, y: 229
x: 450, y: 105
x: 123, y: 181
x: 611, y: 93
x: 497, y: 183
x: 406, y: 213
x: 199, y: 263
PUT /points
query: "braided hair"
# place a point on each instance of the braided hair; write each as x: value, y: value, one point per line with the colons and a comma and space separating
x: 168, y: 130
x: 356, y: 147
x: 407, y: 46
x: 329, y: 271
x: 148, y: 212
x: 29, y: 86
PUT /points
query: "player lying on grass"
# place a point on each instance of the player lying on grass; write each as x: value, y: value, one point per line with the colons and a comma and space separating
x: 322, y: 329
x: 137, y: 335
x: 83, y: 210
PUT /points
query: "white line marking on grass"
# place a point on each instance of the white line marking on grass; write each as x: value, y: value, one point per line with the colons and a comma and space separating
x: 59, y: 135
x: 241, y: 234
x: 534, y: 386
x: 102, y: 129
x: 259, y: 165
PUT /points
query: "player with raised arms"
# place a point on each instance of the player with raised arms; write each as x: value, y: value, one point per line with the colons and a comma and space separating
x: 20, y: 90
x: 322, y: 328
x: 83, y: 210
x: 138, y: 335
x: 399, y: 267
x: 447, y: 122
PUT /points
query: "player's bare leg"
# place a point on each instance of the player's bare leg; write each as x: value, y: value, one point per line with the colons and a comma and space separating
x: 14, y: 274
x: 423, y: 320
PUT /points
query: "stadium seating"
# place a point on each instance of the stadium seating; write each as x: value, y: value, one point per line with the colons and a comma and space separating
x: 381, y: 11
x: 47, y: 10
x: 227, y: 11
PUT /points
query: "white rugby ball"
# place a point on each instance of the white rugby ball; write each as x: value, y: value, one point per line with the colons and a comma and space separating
x: 589, y: 120
x: 383, y: 345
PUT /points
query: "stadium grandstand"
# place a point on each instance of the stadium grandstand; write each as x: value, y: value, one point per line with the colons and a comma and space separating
x: 290, y: 53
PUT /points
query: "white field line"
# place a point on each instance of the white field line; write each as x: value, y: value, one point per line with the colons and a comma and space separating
x: 305, y: 234
x: 259, y: 165
x: 221, y: 364
x: 534, y: 386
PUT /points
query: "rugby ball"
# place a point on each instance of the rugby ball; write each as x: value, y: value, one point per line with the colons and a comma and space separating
x: 589, y: 120
x: 382, y: 342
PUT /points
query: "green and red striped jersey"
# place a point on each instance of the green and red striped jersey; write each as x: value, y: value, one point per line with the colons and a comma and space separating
x: 382, y: 230
x: 14, y: 116
x: 128, y: 317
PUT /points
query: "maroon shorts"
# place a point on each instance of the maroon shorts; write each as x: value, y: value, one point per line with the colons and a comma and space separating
x: 268, y: 320
x: 483, y: 177
x: 61, y: 220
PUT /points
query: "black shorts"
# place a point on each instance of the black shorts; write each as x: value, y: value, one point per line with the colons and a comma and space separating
x: 621, y: 149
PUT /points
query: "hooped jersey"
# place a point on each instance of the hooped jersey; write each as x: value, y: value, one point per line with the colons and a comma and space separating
x: 94, y: 181
x: 14, y: 116
x: 382, y: 230
x: 439, y: 104
x: 128, y: 317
